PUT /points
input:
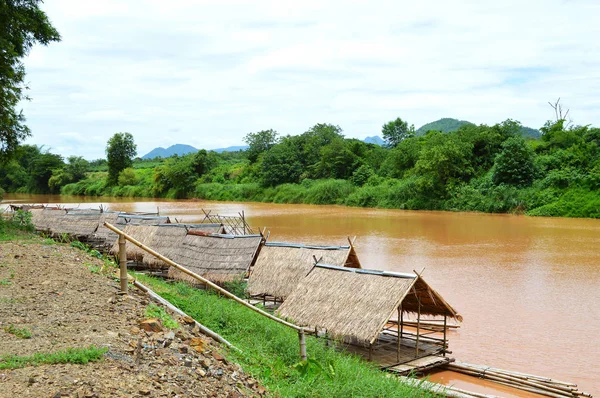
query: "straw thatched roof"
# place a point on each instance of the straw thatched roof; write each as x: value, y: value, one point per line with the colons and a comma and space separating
x: 358, y: 303
x: 163, y: 238
x: 45, y: 219
x: 168, y: 239
x: 281, y: 266
x: 219, y: 258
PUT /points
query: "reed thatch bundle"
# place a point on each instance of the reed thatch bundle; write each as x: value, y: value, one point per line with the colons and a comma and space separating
x: 358, y: 303
x: 168, y: 240
x: 78, y: 225
x: 281, y: 266
x: 219, y: 258
x: 44, y: 219
x: 141, y: 233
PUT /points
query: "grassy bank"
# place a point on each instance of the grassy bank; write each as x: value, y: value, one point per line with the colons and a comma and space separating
x: 270, y: 350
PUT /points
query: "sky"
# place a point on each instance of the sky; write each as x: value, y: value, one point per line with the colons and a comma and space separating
x: 206, y: 73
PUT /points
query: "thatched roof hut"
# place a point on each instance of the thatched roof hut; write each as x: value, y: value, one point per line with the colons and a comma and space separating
x: 219, y: 258
x: 358, y: 303
x: 164, y: 238
x: 281, y: 266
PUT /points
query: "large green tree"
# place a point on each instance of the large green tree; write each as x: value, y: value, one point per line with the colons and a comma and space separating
x: 396, y: 131
x: 514, y: 165
x: 260, y: 142
x: 22, y: 24
x: 120, y: 151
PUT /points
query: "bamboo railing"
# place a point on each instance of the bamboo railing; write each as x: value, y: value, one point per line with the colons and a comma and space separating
x: 123, y: 237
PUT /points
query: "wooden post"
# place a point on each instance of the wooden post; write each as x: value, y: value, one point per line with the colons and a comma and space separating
x: 302, y: 344
x: 399, y: 335
x: 445, y: 347
x: 418, y: 327
x: 244, y: 222
x: 123, y: 263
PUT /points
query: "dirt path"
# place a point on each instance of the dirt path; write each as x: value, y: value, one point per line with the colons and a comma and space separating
x: 58, y: 294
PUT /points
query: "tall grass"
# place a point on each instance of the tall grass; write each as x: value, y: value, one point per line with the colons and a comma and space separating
x: 270, y: 351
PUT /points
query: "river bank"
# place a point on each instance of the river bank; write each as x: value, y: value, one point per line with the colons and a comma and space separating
x: 405, y: 194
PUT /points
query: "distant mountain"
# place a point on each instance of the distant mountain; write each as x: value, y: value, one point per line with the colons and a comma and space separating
x: 448, y: 125
x: 377, y: 140
x: 177, y: 149
x: 231, y: 148
x: 445, y: 125
x: 529, y: 132
x: 181, y: 149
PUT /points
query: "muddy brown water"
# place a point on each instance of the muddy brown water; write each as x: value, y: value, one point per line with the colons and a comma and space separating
x: 528, y: 288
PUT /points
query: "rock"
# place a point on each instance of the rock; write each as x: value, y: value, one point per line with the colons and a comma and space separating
x: 170, y: 336
x: 218, y: 357
x: 206, y: 363
x: 197, y: 344
x: 188, y: 319
x: 145, y: 391
x: 200, y: 372
x: 151, y: 325
x: 134, y: 330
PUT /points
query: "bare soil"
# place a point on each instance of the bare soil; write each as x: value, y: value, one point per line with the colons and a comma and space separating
x: 57, y: 293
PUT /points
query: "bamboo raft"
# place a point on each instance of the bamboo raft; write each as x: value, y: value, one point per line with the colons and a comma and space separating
x: 526, y: 382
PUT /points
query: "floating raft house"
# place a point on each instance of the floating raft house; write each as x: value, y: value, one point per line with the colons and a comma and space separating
x: 358, y: 305
x: 281, y: 266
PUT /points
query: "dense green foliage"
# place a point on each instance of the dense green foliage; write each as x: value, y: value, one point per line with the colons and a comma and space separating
x: 120, y: 151
x: 476, y: 168
x: 270, y: 350
x: 22, y: 25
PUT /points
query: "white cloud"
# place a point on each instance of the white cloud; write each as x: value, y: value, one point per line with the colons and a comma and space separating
x: 206, y: 73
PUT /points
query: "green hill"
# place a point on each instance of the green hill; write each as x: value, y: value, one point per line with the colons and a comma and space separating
x: 445, y: 125
x: 448, y: 125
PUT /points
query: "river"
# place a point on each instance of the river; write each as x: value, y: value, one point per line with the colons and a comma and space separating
x: 528, y: 288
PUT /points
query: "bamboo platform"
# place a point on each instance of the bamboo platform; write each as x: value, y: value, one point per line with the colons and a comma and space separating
x: 384, y: 351
x: 420, y: 364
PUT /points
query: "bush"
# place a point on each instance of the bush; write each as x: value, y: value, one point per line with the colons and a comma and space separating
x: 127, y: 177
x: 329, y: 192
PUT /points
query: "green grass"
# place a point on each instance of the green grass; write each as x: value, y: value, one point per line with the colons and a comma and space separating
x: 5, y: 282
x: 22, y: 333
x: 70, y: 355
x: 270, y: 351
x: 154, y: 311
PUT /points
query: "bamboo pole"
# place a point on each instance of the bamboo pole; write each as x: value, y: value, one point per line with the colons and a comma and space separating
x: 123, y: 263
x: 399, y: 334
x: 198, y: 277
x: 302, y: 344
x: 418, y: 327
x: 549, y: 390
x: 445, y: 346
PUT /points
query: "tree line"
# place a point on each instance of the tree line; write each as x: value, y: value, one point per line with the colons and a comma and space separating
x: 475, y: 168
